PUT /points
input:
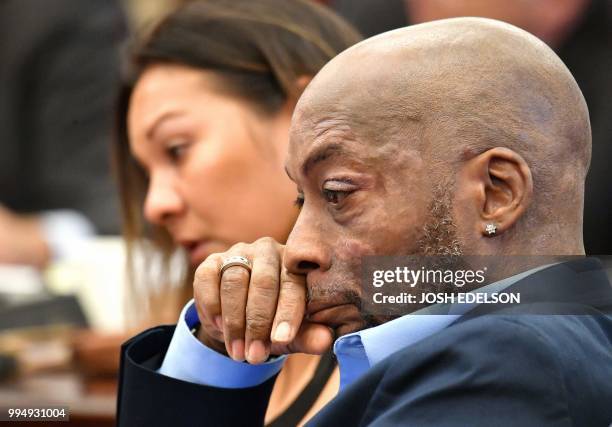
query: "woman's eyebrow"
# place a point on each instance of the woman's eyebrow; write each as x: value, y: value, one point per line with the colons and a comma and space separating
x: 158, y: 121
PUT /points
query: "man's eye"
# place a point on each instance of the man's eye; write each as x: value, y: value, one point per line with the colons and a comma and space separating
x: 335, y: 197
x: 335, y: 191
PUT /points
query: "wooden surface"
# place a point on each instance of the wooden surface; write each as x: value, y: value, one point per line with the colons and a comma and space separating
x: 91, y: 402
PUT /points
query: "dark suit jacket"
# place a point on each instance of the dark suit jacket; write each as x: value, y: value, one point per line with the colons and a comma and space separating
x: 498, y: 366
x: 59, y: 74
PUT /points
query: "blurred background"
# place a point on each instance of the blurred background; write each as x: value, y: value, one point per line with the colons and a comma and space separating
x: 65, y: 302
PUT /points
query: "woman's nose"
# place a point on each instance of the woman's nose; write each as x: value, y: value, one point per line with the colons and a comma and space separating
x: 162, y: 201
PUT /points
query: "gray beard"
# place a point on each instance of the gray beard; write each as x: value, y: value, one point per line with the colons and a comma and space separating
x: 438, y: 238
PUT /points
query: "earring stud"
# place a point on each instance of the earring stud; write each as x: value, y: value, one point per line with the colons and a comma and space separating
x: 491, y: 229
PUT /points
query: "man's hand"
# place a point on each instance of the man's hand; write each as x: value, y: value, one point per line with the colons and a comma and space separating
x: 250, y: 316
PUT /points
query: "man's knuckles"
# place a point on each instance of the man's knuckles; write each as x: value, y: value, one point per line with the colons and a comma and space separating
x: 266, y: 283
x: 234, y: 278
x: 266, y: 243
x: 204, y: 270
x: 258, y: 322
x: 233, y: 325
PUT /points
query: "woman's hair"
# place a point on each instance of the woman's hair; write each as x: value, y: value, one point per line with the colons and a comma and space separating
x: 257, y: 49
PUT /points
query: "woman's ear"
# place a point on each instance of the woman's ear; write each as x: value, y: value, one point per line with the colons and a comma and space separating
x: 302, y: 82
x: 502, y: 184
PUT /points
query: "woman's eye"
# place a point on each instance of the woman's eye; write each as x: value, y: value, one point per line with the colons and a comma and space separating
x: 177, y: 151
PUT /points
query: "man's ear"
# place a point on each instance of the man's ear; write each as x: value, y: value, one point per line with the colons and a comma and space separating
x: 501, y: 182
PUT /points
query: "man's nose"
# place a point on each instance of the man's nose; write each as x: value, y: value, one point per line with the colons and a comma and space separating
x: 306, y: 248
x: 162, y: 201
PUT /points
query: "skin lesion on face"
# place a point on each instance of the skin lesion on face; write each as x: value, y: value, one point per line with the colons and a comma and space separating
x: 438, y: 237
x: 457, y: 79
x: 385, y: 199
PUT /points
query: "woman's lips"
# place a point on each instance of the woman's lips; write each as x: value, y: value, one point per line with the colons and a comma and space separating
x: 198, y: 251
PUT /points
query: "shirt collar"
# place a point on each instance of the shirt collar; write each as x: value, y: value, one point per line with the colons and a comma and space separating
x: 358, y: 351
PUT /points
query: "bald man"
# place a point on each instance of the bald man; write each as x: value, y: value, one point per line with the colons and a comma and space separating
x: 457, y: 137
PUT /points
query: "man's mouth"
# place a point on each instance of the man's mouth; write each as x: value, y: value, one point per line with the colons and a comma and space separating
x: 315, y: 306
x: 332, y: 315
x: 342, y: 318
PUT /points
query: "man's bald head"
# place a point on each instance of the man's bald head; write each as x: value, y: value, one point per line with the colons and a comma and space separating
x: 450, y: 90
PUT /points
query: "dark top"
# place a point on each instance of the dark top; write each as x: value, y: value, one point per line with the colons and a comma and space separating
x: 307, y: 397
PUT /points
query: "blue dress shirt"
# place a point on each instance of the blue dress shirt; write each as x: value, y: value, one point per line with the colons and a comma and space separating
x: 189, y: 360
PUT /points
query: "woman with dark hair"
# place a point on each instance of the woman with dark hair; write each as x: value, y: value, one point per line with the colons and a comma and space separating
x: 204, y: 122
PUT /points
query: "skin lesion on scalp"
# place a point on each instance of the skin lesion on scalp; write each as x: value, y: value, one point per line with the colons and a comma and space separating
x: 336, y: 127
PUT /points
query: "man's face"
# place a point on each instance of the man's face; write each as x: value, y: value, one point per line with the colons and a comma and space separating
x: 358, y: 198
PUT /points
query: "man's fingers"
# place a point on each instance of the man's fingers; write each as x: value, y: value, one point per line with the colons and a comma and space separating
x: 234, y: 290
x: 245, y: 311
x: 262, y: 300
x: 206, y: 291
x: 312, y: 338
x: 290, y: 308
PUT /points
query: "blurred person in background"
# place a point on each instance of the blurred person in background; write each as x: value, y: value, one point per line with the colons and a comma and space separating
x: 580, y: 32
x: 203, y: 130
x: 59, y: 73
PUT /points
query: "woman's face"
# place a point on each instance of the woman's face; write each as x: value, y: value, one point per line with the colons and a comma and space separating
x: 215, y: 165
